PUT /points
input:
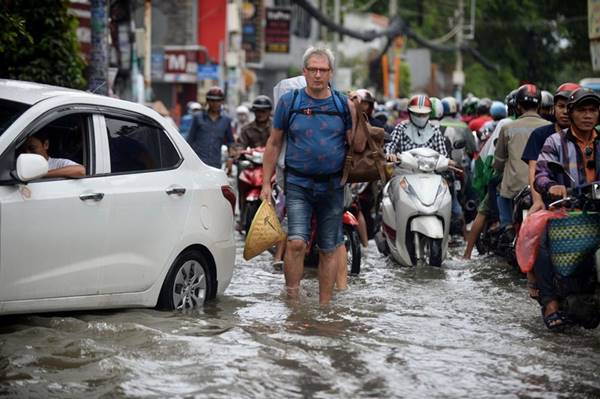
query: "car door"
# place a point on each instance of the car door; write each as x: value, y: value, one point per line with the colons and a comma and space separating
x: 149, y: 198
x: 52, y: 236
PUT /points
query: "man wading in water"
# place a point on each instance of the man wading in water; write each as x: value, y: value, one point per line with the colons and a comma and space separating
x: 317, y: 123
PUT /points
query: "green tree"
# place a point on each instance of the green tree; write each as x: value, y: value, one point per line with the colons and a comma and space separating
x: 38, y: 43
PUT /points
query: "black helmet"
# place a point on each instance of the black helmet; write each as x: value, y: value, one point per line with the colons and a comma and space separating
x: 261, y: 103
x: 215, y: 93
x: 547, y: 99
x: 483, y: 106
x: 511, y: 102
x: 582, y: 95
x: 529, y: 94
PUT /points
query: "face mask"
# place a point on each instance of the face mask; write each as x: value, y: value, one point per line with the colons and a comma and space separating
x: 419, y: 121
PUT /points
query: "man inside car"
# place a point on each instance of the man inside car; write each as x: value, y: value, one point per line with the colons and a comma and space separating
x: 57, y: 167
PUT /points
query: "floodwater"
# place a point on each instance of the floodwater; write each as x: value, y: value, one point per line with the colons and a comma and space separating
x: 464, y: 331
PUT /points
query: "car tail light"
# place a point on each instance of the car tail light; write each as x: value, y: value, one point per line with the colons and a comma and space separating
x: 229, y: 195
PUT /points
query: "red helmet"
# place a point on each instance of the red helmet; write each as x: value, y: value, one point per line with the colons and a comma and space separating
x: 215, y: 93
x: 565, y: 90
x: 419, y: 104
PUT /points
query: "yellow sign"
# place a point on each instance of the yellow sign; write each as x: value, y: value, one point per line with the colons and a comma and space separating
x: 594, y: 19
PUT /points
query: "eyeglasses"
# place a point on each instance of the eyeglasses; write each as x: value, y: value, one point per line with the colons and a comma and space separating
x: 313, y: 71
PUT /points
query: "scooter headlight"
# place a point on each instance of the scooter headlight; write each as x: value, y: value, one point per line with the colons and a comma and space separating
x: 427, y: 164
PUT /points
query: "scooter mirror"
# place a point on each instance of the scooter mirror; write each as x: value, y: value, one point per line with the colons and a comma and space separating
x: 458, y: 144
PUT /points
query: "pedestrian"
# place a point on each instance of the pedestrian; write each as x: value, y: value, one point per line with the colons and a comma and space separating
x: 211, y: 129
x: 318, y: 125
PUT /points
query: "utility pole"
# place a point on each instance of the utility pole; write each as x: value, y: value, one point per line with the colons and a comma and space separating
x: 98, y: 82
x: 337, y: 20
x: 147, y: 49
x: 458, y: 76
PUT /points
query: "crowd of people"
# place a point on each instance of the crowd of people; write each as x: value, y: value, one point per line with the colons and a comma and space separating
x: 508, y: 146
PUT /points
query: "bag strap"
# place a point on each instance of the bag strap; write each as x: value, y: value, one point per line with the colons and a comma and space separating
x: 362, y: 119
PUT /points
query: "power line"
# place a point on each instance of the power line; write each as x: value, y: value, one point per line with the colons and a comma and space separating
x: 397, y: 27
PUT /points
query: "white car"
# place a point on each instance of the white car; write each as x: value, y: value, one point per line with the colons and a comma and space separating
x: 148, y: 224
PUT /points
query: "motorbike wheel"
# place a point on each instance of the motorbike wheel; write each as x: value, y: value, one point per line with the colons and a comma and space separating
x: 251, y: 209
x: 482, y: 247
x: 352, y: 242
x: 434, y: 251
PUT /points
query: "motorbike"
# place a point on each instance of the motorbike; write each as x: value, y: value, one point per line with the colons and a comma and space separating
x: 416, y: 210
x: 351, y: 241
x: 580, y: 302
x: 250, y: 180
x: 501, y: 241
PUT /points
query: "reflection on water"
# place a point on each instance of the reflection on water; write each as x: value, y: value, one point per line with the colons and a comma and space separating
x: 466, y: 330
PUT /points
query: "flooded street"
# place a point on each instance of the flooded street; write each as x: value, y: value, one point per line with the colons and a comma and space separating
x: 467, y: 330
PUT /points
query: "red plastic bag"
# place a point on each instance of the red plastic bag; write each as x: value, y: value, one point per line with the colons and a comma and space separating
x: 530, y: 234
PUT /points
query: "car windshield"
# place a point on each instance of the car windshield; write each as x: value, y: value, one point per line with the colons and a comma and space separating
x: 9, y: 112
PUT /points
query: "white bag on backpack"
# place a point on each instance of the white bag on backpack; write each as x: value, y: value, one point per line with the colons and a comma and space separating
x: 285, y: 86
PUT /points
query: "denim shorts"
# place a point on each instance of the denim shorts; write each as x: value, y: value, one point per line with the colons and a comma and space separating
x: 328, y: 207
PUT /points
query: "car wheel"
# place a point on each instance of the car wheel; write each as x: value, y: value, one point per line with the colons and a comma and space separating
x: 352, y: 242
x: 188, y: 284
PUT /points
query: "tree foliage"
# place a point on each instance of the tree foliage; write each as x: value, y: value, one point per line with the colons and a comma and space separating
x: 542, y: 42
x: 38, y: 43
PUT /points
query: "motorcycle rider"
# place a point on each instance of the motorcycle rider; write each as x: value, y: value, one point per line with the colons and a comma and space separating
x: 538, y: 137
x: 416, y: 132
x: 509, y: 149
x: 256, y: 133
x: 578, y: 150
x: 242, y: 119
x: 483, y: 116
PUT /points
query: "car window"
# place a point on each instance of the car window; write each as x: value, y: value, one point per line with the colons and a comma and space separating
x: 137, y: 147
x: 9, y: 112
x: 62, y: 141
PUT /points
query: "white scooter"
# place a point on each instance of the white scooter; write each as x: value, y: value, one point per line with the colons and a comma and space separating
x: 416, y: 210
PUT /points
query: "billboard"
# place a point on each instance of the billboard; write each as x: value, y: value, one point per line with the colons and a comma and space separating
x: 252, y: 32
x: 277, y: 30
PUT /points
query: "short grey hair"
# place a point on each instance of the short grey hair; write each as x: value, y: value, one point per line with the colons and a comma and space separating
x: 323, y: 51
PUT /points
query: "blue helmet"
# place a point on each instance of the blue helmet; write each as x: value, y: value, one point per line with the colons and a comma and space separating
x: 450, y: 105
x: 498, y: 110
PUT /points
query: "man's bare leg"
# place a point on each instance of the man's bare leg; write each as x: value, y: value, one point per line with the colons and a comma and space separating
x: 294, y: 266
x: 328, y: 267
x: 341, y: 280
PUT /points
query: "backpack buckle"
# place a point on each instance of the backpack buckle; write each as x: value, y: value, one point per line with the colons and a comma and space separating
x: 307, y: 112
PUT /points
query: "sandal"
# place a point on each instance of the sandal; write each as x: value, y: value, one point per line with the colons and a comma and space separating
x: 278, y: 264
x: 555, y: 321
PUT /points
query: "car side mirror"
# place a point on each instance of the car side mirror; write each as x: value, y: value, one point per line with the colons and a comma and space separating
x: 30, y: 167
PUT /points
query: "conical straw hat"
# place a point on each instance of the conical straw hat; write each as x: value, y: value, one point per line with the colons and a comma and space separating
x: 265, y: 231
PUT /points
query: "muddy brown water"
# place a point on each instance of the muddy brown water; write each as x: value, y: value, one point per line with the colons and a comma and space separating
x: 466, y: 330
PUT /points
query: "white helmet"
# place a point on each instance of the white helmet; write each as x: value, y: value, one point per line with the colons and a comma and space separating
x: 242, y: 109
x: 193, y: 106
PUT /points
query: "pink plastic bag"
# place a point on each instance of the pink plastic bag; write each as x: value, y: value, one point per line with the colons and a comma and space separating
x: 530, y: 234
